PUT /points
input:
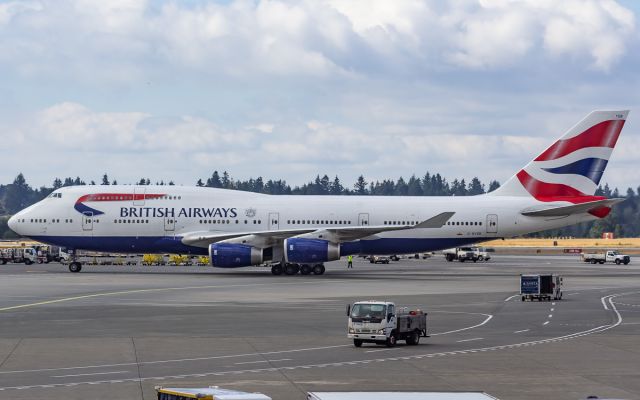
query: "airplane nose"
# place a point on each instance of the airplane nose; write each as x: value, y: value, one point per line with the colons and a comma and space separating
x: 13, y: 223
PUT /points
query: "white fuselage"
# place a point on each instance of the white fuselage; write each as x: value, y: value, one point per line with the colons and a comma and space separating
x: 156, y: 218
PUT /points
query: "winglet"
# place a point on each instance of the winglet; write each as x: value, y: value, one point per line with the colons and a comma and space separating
x: 436, y: 222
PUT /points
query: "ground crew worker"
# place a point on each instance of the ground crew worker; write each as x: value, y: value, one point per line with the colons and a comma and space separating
x: 349, y: 261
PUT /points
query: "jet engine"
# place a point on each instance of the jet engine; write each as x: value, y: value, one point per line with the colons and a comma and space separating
x: 309, y: 251
x: 232, y: 255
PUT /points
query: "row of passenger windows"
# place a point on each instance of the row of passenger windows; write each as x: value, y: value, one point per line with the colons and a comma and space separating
x: 227, y: 221
x: 406, y: 223
x: 130, y: 221
x: 474, y: 223
x: 316, y: 222
x: 44, y: 221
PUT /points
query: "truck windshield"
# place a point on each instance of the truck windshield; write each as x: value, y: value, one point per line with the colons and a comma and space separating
x: 368, y: 311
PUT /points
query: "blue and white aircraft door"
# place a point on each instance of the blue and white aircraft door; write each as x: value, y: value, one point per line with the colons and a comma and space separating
x: 87, y: 221
x: 492, y: 223
x: 363, y: 219
x: 274, y: 221
x: 169, y: 226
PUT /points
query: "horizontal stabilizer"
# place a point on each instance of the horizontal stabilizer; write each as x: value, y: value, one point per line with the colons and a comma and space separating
x: 562, y: 211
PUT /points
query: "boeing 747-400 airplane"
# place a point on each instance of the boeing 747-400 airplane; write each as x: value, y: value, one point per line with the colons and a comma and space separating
x: 297, y: 234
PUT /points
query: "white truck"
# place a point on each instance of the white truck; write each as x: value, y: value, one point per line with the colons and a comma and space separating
x: 380, y: 322
x: 541, y: 287
x: 610, y: 256
x: 27, y: 255
x: 461, y: 254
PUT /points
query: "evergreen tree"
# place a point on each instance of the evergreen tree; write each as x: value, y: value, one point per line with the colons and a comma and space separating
x: 360, y: 186
x: 57, y: 183
x: 105, y: 180
x: 493, y: 185
x: 336, y: 187
x: 475, y: 187
x: 199, y: 183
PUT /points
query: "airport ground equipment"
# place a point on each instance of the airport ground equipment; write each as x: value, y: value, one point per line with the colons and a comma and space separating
x: 609, y: 256
x: 210, y: 393
x: 18, y: 255
x: 541, y: 287
x: 481, y: 253
x: 461, y: 254
x: 379, y: 260
x: 381, y: 322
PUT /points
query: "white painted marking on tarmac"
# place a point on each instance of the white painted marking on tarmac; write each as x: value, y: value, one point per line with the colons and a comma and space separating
x: 546, y: 323
x: 552, y: 309
x: 550, y: 316
x: 574, y: 335
x: 511, y: 297
x: 175, y: 360
x: 375, y: 351
x: 489, y: 316
x: 604, y: 304
x: 524, y: 330
x: 553, y: 304
x: 95, y: 373
x: 469, y: 340
x: 263, y: 361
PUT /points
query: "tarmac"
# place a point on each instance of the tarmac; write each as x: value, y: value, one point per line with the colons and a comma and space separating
x: 116, y: 332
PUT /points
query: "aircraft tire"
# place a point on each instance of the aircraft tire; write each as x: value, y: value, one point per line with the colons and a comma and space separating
x: 75, y: 267
x: 276, y: 269
x: 318, y: 269
x: 305, y: 269
x: 290, y: 269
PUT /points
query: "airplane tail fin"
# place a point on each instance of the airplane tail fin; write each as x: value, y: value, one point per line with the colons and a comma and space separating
x: 571, y: 168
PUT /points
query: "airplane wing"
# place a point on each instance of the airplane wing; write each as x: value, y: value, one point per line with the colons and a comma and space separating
x: 337, y: 234
x: 561, y: 211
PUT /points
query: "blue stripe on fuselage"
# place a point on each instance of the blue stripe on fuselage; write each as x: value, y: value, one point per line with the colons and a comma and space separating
x: 591, y: 168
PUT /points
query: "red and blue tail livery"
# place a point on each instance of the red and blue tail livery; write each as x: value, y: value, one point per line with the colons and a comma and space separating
x: 572, y: 167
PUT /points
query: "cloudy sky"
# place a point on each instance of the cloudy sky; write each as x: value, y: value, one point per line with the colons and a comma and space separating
x: 283, y: 89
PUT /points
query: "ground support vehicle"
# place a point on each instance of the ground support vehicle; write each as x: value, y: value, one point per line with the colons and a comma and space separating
x: 541, y: 287
x: 481, y: 253
x: 461, y: 254
x: 610, y: 256
x: 380, y: 322
x: 18, y: 255
x: 210, y: 393
x: 379, y: 260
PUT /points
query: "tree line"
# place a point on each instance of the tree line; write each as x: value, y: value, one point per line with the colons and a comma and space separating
x: 623, y: 220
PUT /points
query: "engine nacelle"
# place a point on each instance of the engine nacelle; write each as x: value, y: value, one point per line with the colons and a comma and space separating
x: 308, y: 251
x: 232, y: 255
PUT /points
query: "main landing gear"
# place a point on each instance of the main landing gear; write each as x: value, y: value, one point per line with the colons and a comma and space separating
x: 294, y: 269
x: 75, y: 265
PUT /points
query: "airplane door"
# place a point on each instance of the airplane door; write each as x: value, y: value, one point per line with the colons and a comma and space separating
x: 169, y: 225
x: 363, y: 219
x: 274, y: 221
x: 492, y: 223
x: 87, y: 221
x: 139, y: 195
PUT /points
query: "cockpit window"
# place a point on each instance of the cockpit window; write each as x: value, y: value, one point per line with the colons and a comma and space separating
x: 55, y: 195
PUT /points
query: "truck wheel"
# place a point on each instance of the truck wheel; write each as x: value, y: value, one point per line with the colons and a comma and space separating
x: 523, y: 298
x: 449, y: 257
x: 75, y: 267
x: 414, y: 338
x: 601, y: 261
x: 357, y: 342
x: 276, y: 269
x: 618, y: 262
x: 593, y: 261
x: 461, y: 259
x: 28, y: 262
x: 391, y: 340
x: 3, y: 261
x: 318, y: 269
x: 626, y: 262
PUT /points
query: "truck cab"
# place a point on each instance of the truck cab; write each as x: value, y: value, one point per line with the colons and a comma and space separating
x: 380, y: 322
